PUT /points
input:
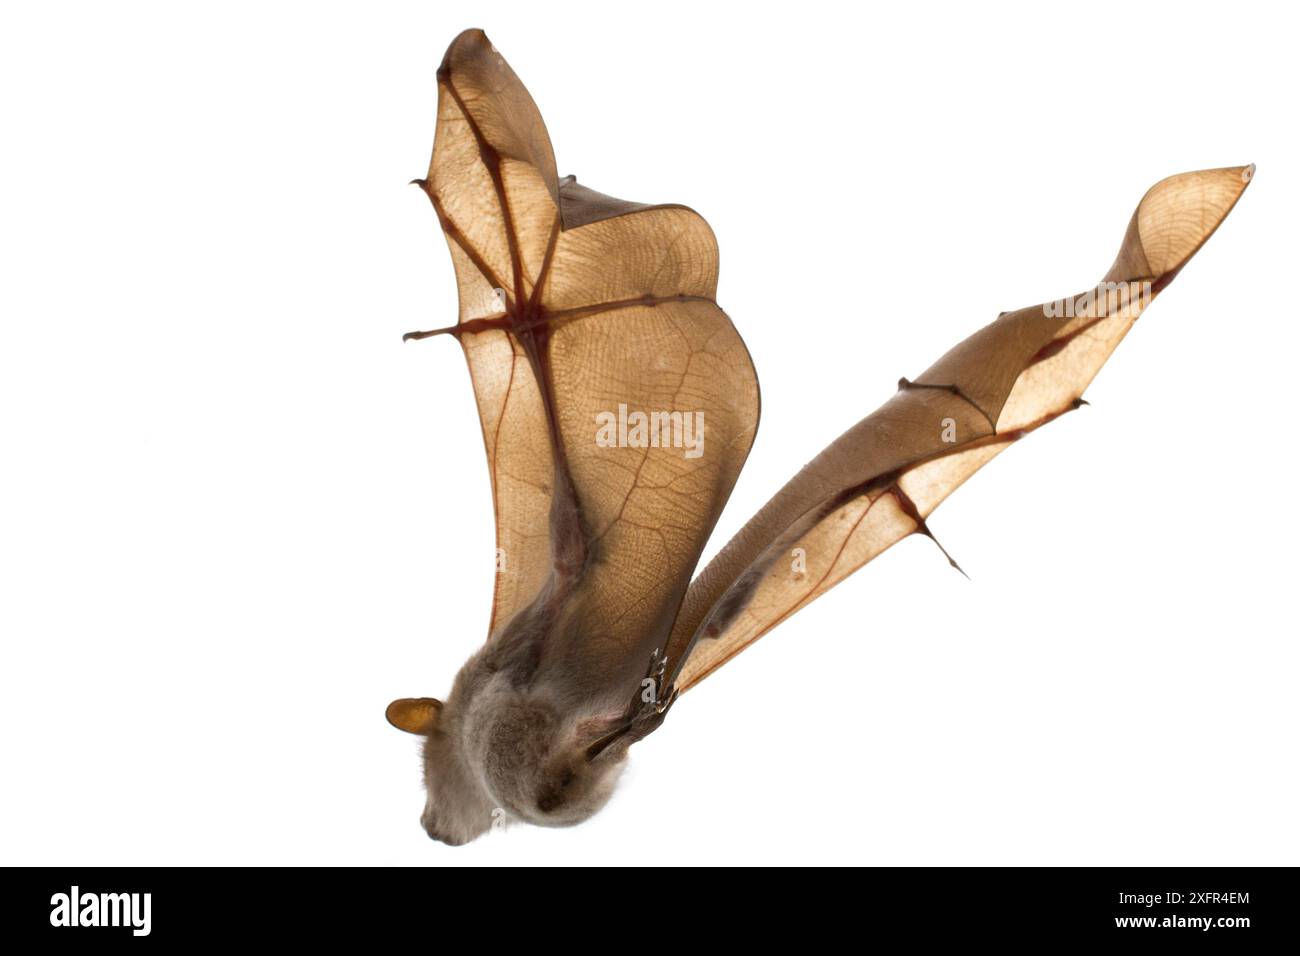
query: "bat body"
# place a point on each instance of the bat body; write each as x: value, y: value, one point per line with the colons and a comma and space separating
x: 618, y: 405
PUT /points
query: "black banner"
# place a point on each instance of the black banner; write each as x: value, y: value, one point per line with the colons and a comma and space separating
x: 1228, y: 907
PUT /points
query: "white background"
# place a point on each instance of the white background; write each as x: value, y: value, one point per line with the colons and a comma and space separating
x: 238, y: 515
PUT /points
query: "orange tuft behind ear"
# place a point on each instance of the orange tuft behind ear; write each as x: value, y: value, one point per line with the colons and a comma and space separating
x: 415, y: 715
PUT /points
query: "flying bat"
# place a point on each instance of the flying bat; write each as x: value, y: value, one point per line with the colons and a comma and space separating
x: 618, y: 404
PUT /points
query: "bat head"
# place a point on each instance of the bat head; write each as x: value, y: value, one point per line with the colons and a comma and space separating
x: 456, y: 809
x: 493, y: 753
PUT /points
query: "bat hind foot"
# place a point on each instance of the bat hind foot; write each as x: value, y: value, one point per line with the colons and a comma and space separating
x: 651, y: 705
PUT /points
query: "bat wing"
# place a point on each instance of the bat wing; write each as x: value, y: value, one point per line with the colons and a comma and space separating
x: 879, y: 481
x: 617, y: 401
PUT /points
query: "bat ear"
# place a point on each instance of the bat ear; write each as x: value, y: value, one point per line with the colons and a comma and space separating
x: 415, y: 715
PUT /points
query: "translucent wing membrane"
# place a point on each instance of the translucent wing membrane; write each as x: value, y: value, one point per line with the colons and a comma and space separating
x: 617, y: 401
x: 881, y: 479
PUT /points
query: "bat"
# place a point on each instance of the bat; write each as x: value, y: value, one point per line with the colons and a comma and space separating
x: 618, y: 404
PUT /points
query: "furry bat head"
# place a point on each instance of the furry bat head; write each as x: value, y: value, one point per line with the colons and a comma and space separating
x: 618, y: 404
x: 500, y: 750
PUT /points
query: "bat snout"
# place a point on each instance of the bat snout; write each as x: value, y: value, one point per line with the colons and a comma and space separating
x: 442, y: 834
x: 444, y: 838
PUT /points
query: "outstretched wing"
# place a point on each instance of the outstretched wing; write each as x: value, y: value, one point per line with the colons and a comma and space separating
x: 879, y: 481
x: 617, y: 401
